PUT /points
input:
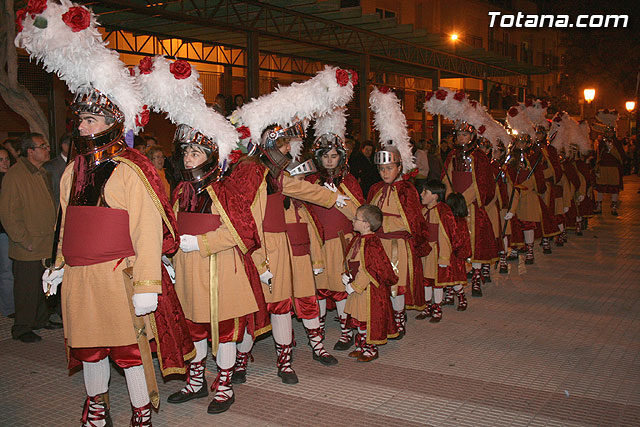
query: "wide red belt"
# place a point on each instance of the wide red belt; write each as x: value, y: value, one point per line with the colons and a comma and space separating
x: 93, y: 235
x: 433, y: 231
x: 461, y: 181
x: 394, y: 235
x: 197, y: 223
x: 332, y: 221
x: 274, y: 221
x: 299, y: 238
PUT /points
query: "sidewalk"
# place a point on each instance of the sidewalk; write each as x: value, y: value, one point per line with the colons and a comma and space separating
x: 555, y: 343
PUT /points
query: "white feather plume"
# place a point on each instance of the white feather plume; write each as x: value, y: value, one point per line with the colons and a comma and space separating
x: 296, y: 148
x: 335, y: 122
x: 312, y: 98
x: 184, y: 103
x: 518, y: 121
x: 584, y: 140
x: 608, y: 117
x: 537, y: 113
x: 80, y: 58
x: 391, y: 123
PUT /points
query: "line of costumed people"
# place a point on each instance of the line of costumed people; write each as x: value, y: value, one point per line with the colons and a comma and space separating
x: 255, y: 234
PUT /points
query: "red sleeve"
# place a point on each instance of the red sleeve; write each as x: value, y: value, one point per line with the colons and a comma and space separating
x: 410, y: 203
x: 538, y: 158
x: 555, y: 161
x: 377, y: 263
x: 485, y: 179
x: 462, y: 244
x: 354, y: 187
x: 373, y: 190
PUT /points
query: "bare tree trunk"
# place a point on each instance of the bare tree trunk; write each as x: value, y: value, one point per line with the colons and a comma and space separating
x: 17, y: 97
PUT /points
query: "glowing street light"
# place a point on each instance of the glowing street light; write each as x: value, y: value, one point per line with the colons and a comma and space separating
x: 454, y: 37
x: 589, y: 95
x: 630, y: 105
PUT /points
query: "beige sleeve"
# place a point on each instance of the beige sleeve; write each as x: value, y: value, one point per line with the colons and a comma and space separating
x: 258, y: 208
x: 65, y: 188
x: 308, y: 192
x: 361, y: 281
x: 215, y: 241
x: 444, y: 252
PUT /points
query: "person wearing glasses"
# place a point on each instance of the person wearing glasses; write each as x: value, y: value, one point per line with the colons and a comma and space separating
x: 28, y: 215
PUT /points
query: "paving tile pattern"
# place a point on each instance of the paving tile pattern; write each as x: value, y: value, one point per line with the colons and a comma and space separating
x: 552, y: 344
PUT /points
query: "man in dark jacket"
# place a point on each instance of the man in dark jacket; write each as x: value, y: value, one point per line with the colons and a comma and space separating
x: 56, y: 166
x: 361, y: 166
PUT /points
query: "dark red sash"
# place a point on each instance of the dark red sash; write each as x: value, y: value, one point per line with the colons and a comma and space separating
x: 332, y: 221
x: 299, y: 238
x: 197, y: 223
x: 354, y: 266
x: 274, y: 221
x: 461, y: 180
x: 94, y: 234
x: 433, y: 231
x: 404, y: 235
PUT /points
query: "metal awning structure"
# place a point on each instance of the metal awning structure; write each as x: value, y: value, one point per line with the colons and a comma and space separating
x: 318, y: 31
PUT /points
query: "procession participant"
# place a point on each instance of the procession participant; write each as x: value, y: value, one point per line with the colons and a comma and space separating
x: 215, y: 225
x: 609, y: 160
x: 330, y: 158
x: 536, y: 112
x: 461, y: 245
x: 468, y: 171
x: 117, y: 275
x: 403, y: 231
x: 275, y: 119
x: 585, y: 172
x: 525, y: 170
x: 368, y: 283
x: 440, y: 265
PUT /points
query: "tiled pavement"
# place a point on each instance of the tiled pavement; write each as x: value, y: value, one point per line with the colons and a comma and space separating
x: 556, y: 343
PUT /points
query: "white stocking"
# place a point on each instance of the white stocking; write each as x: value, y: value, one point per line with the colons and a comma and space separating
x: 528, y: 236
x: 226, y: 357
x: 340, y: 305
x: 201, y: 350
x: 311, y: 323
x: 137, y: 385
x: 561, y: 227
x: 322, y: 304
x: 506, y: 244
x: 96, y: 376
x: 247, y: 343
x: 457, y: 288
x: 281, y: 328
x: 437, y: 295
x: 398, y: 303
x: 428, y: 293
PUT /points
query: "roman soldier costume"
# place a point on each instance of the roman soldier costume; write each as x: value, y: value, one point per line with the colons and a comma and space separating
x: 609, y: 160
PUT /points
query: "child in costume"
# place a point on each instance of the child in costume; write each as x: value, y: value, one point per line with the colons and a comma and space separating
x: 368, y: 282
x: 461, y: 246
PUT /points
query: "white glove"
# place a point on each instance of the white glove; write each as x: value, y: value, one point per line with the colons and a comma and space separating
x: 348, y: 288
x: 265, y: 277
x: 442, y: 265
x: 346, y: 279
x: 50, y: 281
x: 331, y: 187
x: 566, y: 209
x: 508, y: 216
x: 145, y: 303
x: 169, y: 267
x: 580, y: 198
x: 189, y: 243
x: 341, y: 201
x: 317, y: 271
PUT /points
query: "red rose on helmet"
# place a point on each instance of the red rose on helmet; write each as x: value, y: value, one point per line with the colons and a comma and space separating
x: 342, y: 77
x: 481, y: 129
x: 146, y: 65
x: 77, y: 18
x: 528, y: 102
x: 428, y: 95
x: 235, y: 156
x: 132, y: 72
x: 36, y: 7
x: 142, y: 119
x: 20, y: 15
x: 244, y: 132
x: 180, y: 69
x: 459, y: 96
x: 441, y: 94
x: 513, y: 111
x: 354, y: 77
x: 384, y: 89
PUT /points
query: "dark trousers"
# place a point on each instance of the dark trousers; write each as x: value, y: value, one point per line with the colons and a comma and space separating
x: 30, y: 303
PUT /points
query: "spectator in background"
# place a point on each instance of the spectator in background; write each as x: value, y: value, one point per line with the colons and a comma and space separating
x: 12, y: 145
x: 361, y: 166
x: 238, y: 101
x: 435, y: 162
x: 149, y: 140
x: 422, y: 159
x: 445, y: 146
x: 139, y: 144
x: 6, y: 276
x: 28, y: 215
x: 220, y: 105
x: 156, y: 156
x: 56, y: 166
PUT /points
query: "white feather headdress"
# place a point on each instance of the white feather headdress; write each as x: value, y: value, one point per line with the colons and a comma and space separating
x: 328, y: 89
x: 335, y: 122
x: 584, y: 140
x: 565, y: 132
x: 391, y: 123
x: 537, y: 112
x: 518, y: 121
x: 182, y: 99
x: 65, y: 39
x: 608, y: 117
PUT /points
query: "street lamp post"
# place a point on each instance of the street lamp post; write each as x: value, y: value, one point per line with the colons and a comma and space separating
x: 630, y: 106
x: 589, y: 96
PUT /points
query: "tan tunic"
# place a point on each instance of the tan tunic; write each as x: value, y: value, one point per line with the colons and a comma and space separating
x: 358, y: 302
x: 95, y: 307
x: 526, y: 204
x: 440, y: 253
x: 193, y: 280
x: 275, y: 251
